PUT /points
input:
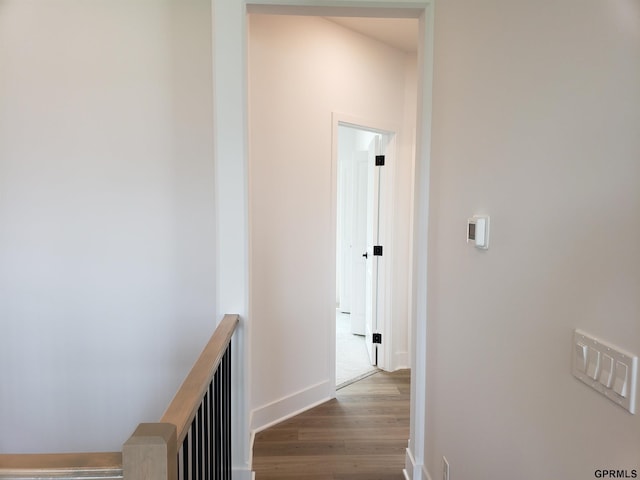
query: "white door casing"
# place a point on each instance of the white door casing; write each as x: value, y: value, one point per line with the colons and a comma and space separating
x: 230, y: 110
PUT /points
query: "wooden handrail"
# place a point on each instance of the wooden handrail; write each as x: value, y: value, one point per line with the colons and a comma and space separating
x: 109, y: 465
x: 61, y: 465
x: 185, y: 403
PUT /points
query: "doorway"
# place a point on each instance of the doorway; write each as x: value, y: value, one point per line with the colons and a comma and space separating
x: 304, y: 73
x: 236, y: 253
x: 360, y: 182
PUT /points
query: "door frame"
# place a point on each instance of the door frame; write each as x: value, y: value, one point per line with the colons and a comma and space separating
x: 230, y: 111
x: 385, y: 299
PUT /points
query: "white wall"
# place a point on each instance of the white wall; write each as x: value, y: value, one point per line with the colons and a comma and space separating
x: 107, y: 240
x: 536, y: 115
x: 301, y: 69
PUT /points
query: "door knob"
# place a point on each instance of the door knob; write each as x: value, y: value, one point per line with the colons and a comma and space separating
x: 365, y: 254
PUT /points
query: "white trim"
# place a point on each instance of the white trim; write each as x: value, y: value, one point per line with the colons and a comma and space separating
x: 333, y: 216
x: 400, y: 361
x: 242, y: 474
x: 290, y: 406
x: 252, y: 440
x: 371, y: 124
x: 345, y: 8
x: 229, y: 78
x: 425, y: 474
x: 419, y: 320
x: 412, y: 470
x: 409, y: 464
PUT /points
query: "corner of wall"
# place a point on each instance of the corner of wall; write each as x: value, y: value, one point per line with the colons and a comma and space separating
x: 243, y: 474
x: 290, y: 406
x: 413, y: 470
x: 400, y: 361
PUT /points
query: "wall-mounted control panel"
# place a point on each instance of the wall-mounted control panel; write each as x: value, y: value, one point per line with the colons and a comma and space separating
x: 605, y: 368
x: 478, y: 231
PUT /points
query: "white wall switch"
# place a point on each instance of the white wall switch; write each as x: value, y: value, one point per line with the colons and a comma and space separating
x: 580, y: 357
x: 593, y: 362
x: 621, y: 380
x: 478, y: 231
x: 605, y: 368
x: 606, y: 371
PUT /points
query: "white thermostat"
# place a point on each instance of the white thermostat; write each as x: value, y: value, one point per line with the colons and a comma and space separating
x: 478, y: 231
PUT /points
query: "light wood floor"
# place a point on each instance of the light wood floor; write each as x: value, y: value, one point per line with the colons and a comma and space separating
x: 360, y: 435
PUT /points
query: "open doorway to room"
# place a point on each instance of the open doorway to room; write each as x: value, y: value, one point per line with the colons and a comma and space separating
x: 360, y: 162
x: 274, y: 258
x: 305, y: 75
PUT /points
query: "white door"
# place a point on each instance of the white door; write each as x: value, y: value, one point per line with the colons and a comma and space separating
x: 373, y: 210
x: 359, y: 241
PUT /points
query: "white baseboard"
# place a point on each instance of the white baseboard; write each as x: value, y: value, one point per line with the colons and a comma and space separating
x: 425, y: 474
x: 409, y: 465
x: 252, y: 439
x: 412, y: 470
x: 401, y: 360
x: 291, y: 405
x: 242, y: 474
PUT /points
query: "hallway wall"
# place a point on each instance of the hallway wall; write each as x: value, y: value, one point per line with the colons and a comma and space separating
x: 535, y: 122
x: 107, y: 237
x: 301, y: 69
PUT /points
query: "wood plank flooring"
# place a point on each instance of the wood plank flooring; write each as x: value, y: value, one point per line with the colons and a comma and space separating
x: 362, y: 434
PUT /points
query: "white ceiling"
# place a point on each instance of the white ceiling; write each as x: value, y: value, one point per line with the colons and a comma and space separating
x: 400, y: 33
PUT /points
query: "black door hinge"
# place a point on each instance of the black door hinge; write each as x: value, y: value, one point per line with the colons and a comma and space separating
x: 379, y: 160
x: 377, y: 250
x: 377, y: 338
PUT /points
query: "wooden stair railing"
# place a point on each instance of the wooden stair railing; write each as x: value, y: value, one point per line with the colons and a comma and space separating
x: 192, y: 441
x: 104, y: 466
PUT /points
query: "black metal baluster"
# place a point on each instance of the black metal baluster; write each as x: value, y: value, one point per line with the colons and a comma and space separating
x: 185, y: 458
x: 223, y: 419
x: 194, y: 450
x: 200, y: 459
x: 229, y: 412
x: 206, y: 451
x: 205, y: 434
x: 212, y: 442
x: 218, y: 436
x: 223, y: 446
x: 227, y: 391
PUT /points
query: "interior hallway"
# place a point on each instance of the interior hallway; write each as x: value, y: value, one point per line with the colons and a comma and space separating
x: 361, y: 434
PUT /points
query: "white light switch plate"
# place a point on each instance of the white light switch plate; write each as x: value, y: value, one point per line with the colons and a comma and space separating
x: 478, y: 231
x: 619, y: 356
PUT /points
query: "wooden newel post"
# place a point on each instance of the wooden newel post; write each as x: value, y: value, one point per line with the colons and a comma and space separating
x: 151, y: 453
